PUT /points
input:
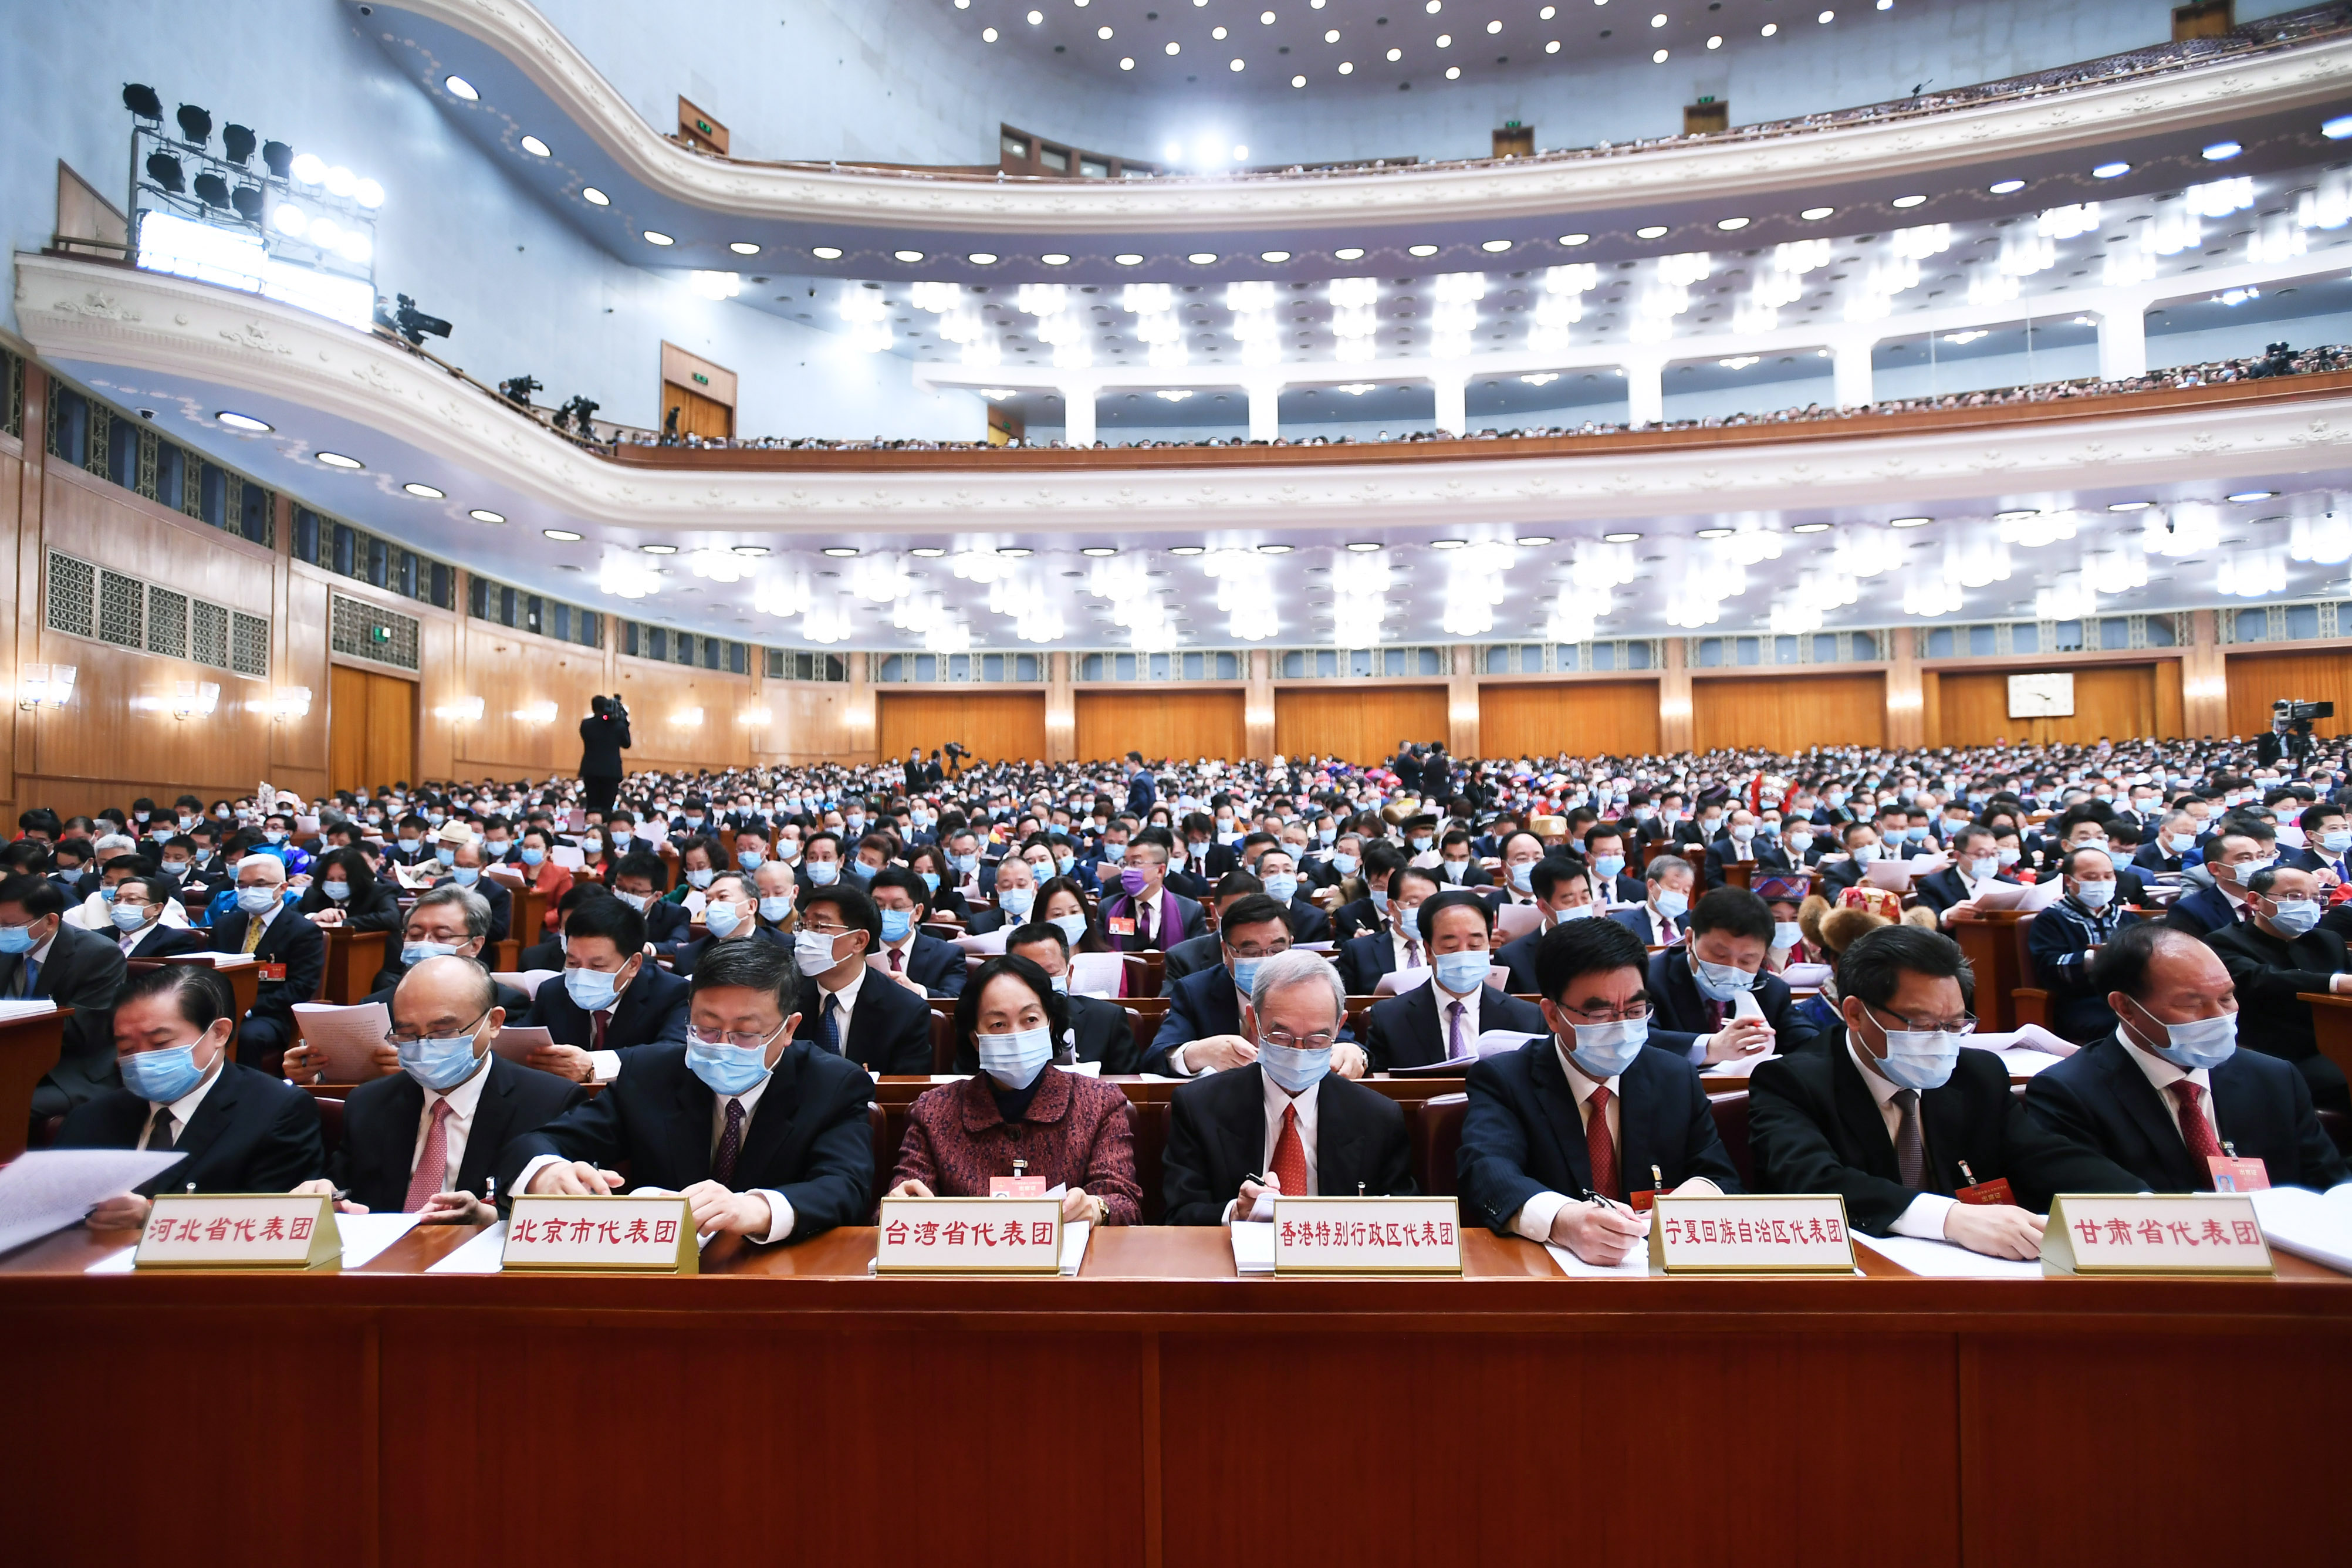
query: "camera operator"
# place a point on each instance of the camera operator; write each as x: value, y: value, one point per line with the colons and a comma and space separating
x: 604, y: 736
x: 2289, y: 737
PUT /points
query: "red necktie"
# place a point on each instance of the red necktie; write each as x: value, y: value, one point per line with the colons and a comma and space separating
x: 2195, y: 1130
x: 433, y: 1165
x: 1290, y: 1157
x: 1600, y: 1148
x: 898, y: 965
x: 596, y: 1022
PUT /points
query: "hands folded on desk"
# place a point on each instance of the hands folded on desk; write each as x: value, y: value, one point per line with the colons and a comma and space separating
x: 1078, y: 1203
x: 1996, y: 1230
x: 715, y: 1207
x: 441, y: 1208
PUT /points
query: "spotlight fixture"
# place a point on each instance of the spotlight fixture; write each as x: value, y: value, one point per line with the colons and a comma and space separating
x: 483, y: 514
x: 423, y: 492
x: 238, y: 142
x: 1815, y: 215
x: 140, y: 100
x: 195, y: 125
x: 337, y: 460
x: 1127, y: 258
x: 1421, y: 250
x: 926, y: 553
x: 246, y: 200
x: 753, y: 551
x: 236, y: 421
x: 165, y: 170
x: 2111, y: 171
x: 1905, y: 204
x: 1055, y: 258
x: 1016, y: 551
x: 1275, y: 549
x: 278, y: 159
x: 2129, y: 505
x: 1448, y: 543
x: 1349, y: 253
x: 1651, y: 231
x: 212, y: 190
x: 1573, y: 240
x: 561, y: 535
x: 908, y: 256
x: 1715, y: 534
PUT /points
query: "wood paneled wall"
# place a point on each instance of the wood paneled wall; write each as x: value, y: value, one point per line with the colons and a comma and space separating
x: 371, y: 729
x: 1789, y: 712
x: 993, y: 725
x: 1970, y: 708
x: 1161, y: 724
x: 1584, y: 718
x: 2259, y: 679
x: 1361, y: 725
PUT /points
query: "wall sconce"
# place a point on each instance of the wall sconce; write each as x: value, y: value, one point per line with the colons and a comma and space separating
x: 755, y: 718
x: 44, y: 686
x: 690, y: 718
x: 2204, y: 688
x: 536, y: 713
x: 465, y: 710
x: 288, y: 702
x: 196, y: 700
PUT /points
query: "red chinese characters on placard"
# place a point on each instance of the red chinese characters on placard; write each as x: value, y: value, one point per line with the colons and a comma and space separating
x: 956, y: 1233
x: 1401, y: 1235
x: 528, y: 1232
x: 1810, y: 1231
x: 2112, y: 1236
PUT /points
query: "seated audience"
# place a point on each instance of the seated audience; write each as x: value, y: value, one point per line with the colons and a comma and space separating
x: 613, y: 999
x: 291, y: 951
x: 2065, y: 936
x: 136, y: 917
x: 909, y: 954
x: 1202, y: 1029
x: 881, y: 1027
x: 1394, y: 944
x: 344, y: 892
x: 1659, y: 920
x: 2274, y: 958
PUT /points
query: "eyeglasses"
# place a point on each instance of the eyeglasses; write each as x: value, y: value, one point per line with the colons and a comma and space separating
x: 742, y: 1042
x: 1966, y: 1024
x: 1318, y: 1041
x: 1637, y: 1008
x: 398, y: 1037
x: 1259, y: 952
x: 824, y: 930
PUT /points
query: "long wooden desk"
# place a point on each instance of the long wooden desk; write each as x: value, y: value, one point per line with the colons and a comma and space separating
x: 29, y: 1047
x: 783, y: 1407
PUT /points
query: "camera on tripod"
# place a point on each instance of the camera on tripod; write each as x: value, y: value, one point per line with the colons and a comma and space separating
x: 2298, y: 716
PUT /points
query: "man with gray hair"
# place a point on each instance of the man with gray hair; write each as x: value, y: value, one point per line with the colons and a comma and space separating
x: 1660, y: 919
x: 290, y: 951
x: 1282, y: 1122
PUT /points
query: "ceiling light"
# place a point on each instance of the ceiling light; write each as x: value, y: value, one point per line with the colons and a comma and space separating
x: 659, y: 549
x: 1769, y: 28
x: 1907, y: 203
x: 1448, y: 543
x: 1621, y: 538
x: 1016, y: 551
x: 654, y: 237
x: 1275, y: 549
x: 1731, y: 225
x: 2129, y: 505
x: 1495, y: 247
x: 926, y: 553
x: 754, y: 551
x: 460, y: 88
x: 1574, y: 239
x: 742, y: 247
x: 2014, y: 516
x: 1349, y: 253
x: 534, y: 146
x: 240, y: 421
x: 1715, y: 534
x: 1035, y: 17
x: 825, y: 252
x: 1533, y: 541
x: 1103, y: 33
x: 1815, y: 215
x: 594, y: 197
x: 1909, y: 522
x: 2110, y: 171
x: 2223, y: 151
x: 2242, y: 497
x: 1274, y: 256
x: 1126, y: 62
x: 337, y: 460
x: 908, y: 256
x: 1189, y: 550
x: 2004, y: 187
x: 1362, y: 547
x: 424, y: 493
x: 1396, y: 54
x: 1202, y: 257
x: 1811, y: 528
x: 1128, y: 258
x: 1659, y: 58
x: 1540, y: 377
x: 840, y: 551
x: 2337, y: 129
x: 1055, y: 258
x: 1651, y: 231
x: 988, y: 35
x: 484, y: 514
x: 982, y: 258
x: 1098, y: 549
x: 561, y: 535
x: 1421, y: 250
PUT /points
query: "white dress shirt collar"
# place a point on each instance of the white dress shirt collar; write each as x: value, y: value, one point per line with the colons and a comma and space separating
x: 184, y: 1107
x: 1309, y: 1106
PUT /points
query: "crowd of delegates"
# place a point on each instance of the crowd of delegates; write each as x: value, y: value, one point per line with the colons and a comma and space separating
x: 732, y: 954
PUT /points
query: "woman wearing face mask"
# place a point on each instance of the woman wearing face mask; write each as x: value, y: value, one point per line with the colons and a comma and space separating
x: 1075, y: 1132
x: 930, y: 863
x: 535, y: 859
x: 1064, y: 903
x: 343, y: 891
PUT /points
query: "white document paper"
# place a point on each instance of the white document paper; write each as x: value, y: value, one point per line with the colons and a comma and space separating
x: 1515, y: 920
x: 516, y: 1043
x: 1397, y: 981
x: 1083, y: 1069
x: 119, y: 1262
x: 2032, y: 1037
x: 1740, y: 1067
x: 989, y: 943
x: 1891, y: 874
x: 479, y: 1256
x: 1999, y: 895
x: 568, y: 855
x: 1502, y: 1042
x: 1095, y: 974
x: 46, y: 1190
x: 350, y: 1036
x: 1636, y: 1265
x: 366, y: 1236
x: 1946, y: 1260
x: 30, y: 1007
x: 1253, y: 1249
x: 1075, y: 1233
x: 2042, y: 895
x: 1806, y: 976
x: 2317, y: 1225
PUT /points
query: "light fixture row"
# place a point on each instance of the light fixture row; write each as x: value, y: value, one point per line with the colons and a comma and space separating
x: 250, y: 426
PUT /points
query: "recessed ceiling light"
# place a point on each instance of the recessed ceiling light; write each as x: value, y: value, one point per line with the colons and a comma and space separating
x: 561, y: 535
x: 1189, y: 550
x: 1575, y: 239
x: 2337, y: 129
x: 1715, y: 534
x: 1421, y: 250
x: 1815, y: 215
x: 2111, y: 171
x: 1651, y: 231
x: 594, y: 197
x: 1811, y: 528
x: 2018, y: 515
x: 926, y: 553
x: 754, y: 551
x: 1277, y: 256
x: 337, y: 460
x: 2004, y: 187
x: 535, y: 147
x: 239, y: 421
x: 1909, y: 522
x: 1055, y: 258
x: 1448, y: 543
x: 484, y: 514
x: 654, y: 237
x: 1275, y: 549
x: 742, y: 247
x: 1202, y: 257
x: 1349, y: 253
x: 825, y: 252
x: 2223, y: 151
x: 1533, y: 541
x: 659, y: 549
x: 1618, y: 538
x: 2242, y: 497
x: 1495, y: 247
x: 1905, y: 203
x: 460, y: 88
x: 908, y: 256
x: 1127, y: 258
x: 840, y: 551
x: 2129, y: 505
x: 424, y: 493
x: 1015, y: 551
x: 982, y: 258
x: 1098, y: 549
x: 1363, y: 547
x: 1731, y: 225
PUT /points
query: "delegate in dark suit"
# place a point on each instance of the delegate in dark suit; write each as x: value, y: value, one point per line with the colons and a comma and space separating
x: 1099, y: 1033
x: 1188, y: 919
x: 2201, y: 913
x: 164, y: 941
x: 301, y: 947
x: 808, y: 1139
x: 2100, y: 1100
x: 651, y: 1012
x: 1308, y: 921
x: 380, y: 1119
x: 1814, y: 1126
x: 690, y: 954
x: 1522, y: 1134
x: 84, y: 972
x: 1365, y: 959
x: 250, y: 1133
x: 890, y: 1026
x: 1201, y: 1006
x: 1190, y: 956
x: 1410, y: 1030
x: 2270, y: 974
x: 1944, y: 889
x: 1762, y: 854
x: 1353, y: 919
x: 1679, y: 1007
x: 1216, y: 1139
x: 935, y: 965
x: 1518, y: 956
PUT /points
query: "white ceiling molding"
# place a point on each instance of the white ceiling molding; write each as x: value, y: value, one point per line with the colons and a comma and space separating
x: 94, y: 313
x: 2088, y: 117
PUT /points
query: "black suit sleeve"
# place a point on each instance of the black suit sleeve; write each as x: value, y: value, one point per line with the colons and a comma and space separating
x: 1703, y: 1153
x: 293, y: 1152
x: 382, y: 912
x: 836, y: 1187
x: 908, y: 1049
x: 1792, y: 1154
x: 594, y: 1132
x: 1185, y: 1176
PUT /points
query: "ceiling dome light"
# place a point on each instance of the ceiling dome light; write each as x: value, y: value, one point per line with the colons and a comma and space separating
x: 988, y: 35
x: 1298, y: 81
x: 1275, y: 549
x: 926, y: 553
x: 1811, y: 528
x: 1393, y: 54
x: 1277, y: 256
x: 1189, y: 550
x: 1127, y: 258
x: 1055, y: 258
x: 1016, y: 551
x: 1731, y: 225
x: 1362, y: 547
x: 1715, y: 534
x: 742, y: 247
x: 1651, y: 231
x: 982, y: 258
x: 655, y: 236
x: 825, y: 252
x: 1907, y: 203
x: 2005, y: 187
x: 2337, y: 129
x: 1202, y: 257
x: 1126, y: 62
x: 659, y: 549
x: 1620, y: 538
x: 1421, y: 250
x: 2223, y: 151
x: 1235, y: 65
x: 754, y: 551
x: 1534, y: 540
x: 2129, y: 505
x: 484, y: 514
x: 594, y: 197
x: 425, y: 492
x: 1036, y: 17
x: 2245, y: 497
x: 840, y: 551
x: 908, y: 256
x: 458, y: 88
x: 1909, y: 522
x: 535, y: 147
x: 1575, y: 239
x: 2111, y: 171
x: 1815, y: 215
x: 1098, y: 549
x: 1448, y: 543
x: 1495, y: 247
x: 561, y: 535
x: 337, y: 460
x: 1349, y: 253
x: 1659, y: 58
x: 235, y: 421
x: 1174, y: 47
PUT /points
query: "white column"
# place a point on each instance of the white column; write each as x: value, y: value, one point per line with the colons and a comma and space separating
x: 1850, y: 365
x: 1078, y: 413
x: 1265, y: 410
x: 1452, y: 403
x: 1645, y: 390
x: 2123, y: 341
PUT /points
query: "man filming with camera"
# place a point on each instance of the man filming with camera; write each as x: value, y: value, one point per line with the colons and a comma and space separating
x: 2289, y: 737
x: 604, y: 736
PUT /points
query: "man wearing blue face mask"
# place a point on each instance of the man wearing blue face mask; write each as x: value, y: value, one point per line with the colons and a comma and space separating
x: 909, y: 954
x: 2064, y: 937
x: 764, y: 1135
x: 240, y: 1131
x: 849, y: 1011
x: 1896, y: 1115
x: 2171, y: 1089
x: 44, y: 957
x: 613, y: 998
x: 1662, y: 919
x: 730, y: 913
x: 1278, y: 869
x: 291, y: 950
x: 2326, y: 845
x: 1016, y: 896
x: 465, y: 868
x: 1287, y: 1112
x: 1441, y: 1020
x: 1560, y: 1130
x: 2275, y: 957
x: 1697, y: 989
x: 425, y: 1139
x: 1202, y: 1029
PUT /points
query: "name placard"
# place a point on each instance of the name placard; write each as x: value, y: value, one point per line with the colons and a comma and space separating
x: 1761, y: 1234
x: 1367, y: 1236
x: 2177, y: 1233
x: 239, y: 1230
x: 970, y: 1236
x: 615, y: 1234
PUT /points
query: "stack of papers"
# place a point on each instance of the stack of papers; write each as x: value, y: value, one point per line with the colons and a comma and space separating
x: 348, y: 1036
x: 30, y: 1007
x: 1945, y: 1260
x: 1253, y: 1247
x: 2317, y: 1225
x: 1635, y: 1266
x: 479, y: 1256
x: 46, y: 1190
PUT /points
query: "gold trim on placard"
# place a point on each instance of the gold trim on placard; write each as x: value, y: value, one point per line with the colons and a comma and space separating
x: 1687, y: 1270
x: 965, y: 1270
x: 1325, y: 1271
x: 689, y: 1259
x: 2058, y: 1242
x: 325, y: 1255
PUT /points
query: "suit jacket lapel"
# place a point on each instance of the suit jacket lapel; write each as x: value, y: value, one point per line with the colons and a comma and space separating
x: 1858, y: 1113
x: 493, y: 1114
x: 210, y: 1120
x: 778, y: 1115
x: 1420, y: 1002
x: 2145, y: 1107
x: 1561, y: 1117
x: 695, y: 1104
x: 1244, y: 1136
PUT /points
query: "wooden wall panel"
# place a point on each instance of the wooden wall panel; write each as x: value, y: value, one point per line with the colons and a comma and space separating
x: 12, y: 500
x: 995, y: 725
x: 1161, y: 724
x: 1582, y: 718
x: 816, y: 722
x: 347, y: 706
x: 2259, y: 679
x: 1358, y: 724
x: 2116, y: 701
x: 1789, y: 712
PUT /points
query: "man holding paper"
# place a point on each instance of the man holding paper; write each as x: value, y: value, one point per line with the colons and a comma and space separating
x: 1441, y: 1021
x: 425, y: 1139
x: 1919, y: 1135
x: 764, y: 1135
x: 1696, y: 990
